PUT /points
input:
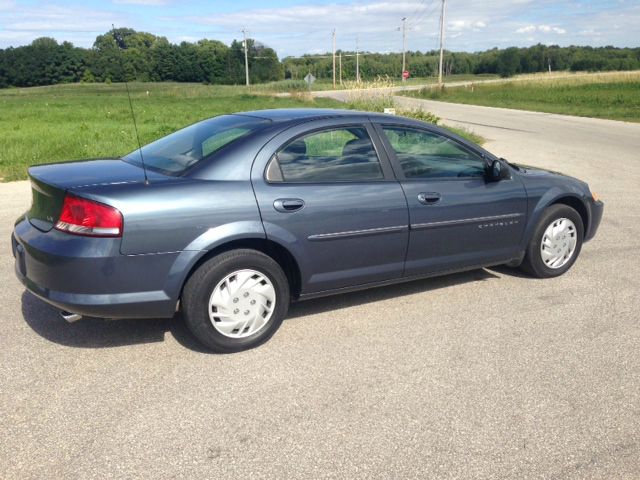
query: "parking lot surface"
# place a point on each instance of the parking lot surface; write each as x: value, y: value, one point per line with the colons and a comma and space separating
x: 485, y: 374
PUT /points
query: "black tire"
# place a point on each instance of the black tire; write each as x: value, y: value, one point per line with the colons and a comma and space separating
x: 199, y: 287
x: 533, y: 263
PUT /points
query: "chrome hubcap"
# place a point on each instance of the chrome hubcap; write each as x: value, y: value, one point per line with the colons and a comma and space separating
x: 558, y: 243
x: 242, y: 303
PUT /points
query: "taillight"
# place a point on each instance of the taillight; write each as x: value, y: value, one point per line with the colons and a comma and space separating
x: 86, y: 217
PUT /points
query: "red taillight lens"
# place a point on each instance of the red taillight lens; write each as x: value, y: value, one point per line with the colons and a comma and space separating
x: 86, y: 217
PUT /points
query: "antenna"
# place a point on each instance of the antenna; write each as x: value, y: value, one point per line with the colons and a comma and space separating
x: 121, y: 45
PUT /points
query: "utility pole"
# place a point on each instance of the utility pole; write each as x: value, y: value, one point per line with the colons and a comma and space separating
x: 441, y: 43
x: 404, y: 49
x: 357, y: 62
x: 334, y: 57
x: 340, y: 66
x: 246, y: 57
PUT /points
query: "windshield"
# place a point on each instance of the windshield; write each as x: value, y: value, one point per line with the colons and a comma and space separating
x: 179, y: 151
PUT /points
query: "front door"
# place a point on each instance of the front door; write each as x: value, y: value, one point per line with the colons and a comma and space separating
x: 458, y: 218
x: 328, y: 196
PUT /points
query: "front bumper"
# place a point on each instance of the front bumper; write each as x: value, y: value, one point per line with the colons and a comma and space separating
x: 597, y: 209
x: 89, y: 276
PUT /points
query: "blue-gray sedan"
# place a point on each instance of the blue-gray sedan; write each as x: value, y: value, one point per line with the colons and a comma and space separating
x: 233, y: 217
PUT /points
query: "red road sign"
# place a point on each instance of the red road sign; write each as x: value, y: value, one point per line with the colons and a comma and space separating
x: 405, y: 74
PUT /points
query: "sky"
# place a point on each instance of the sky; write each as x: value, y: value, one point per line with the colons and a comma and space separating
x: 296, y: 27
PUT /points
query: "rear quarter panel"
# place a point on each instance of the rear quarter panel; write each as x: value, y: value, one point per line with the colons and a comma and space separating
x: 185, y: 214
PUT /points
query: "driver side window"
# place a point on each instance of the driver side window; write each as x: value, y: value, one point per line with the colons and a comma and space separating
x: 424, y: 154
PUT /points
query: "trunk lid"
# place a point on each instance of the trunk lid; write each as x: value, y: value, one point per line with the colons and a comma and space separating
x: 49, y: 183
x: 46, y: 204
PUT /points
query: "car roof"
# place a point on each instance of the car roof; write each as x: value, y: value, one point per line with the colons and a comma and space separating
x: 287, y: 115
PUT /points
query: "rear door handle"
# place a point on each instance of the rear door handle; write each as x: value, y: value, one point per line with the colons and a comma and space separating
x: 288, y: 205
x: 429, y: 198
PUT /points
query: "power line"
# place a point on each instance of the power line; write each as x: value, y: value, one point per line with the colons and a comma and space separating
x: 414, y: 20
x: 420, y: 4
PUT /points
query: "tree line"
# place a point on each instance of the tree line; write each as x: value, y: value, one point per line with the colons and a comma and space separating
x: 504, y: 62
x: 142, y: 56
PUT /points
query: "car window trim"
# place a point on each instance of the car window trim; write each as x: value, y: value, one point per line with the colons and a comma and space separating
x: 383, y: 161
x: 395, y: 162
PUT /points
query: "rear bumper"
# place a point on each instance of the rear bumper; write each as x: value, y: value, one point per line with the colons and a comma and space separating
x: 90, y: 277
x: 597, y: 209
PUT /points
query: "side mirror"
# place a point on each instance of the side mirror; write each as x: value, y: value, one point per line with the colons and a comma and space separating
x: 498, y: 171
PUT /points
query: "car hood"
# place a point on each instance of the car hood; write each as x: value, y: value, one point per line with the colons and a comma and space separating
x: 536, y: 171
x: 90, y: 172
x: 526, y: 171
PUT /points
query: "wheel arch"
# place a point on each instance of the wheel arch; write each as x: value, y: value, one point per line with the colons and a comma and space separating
x: 578, y: 205
x: 277, y: 252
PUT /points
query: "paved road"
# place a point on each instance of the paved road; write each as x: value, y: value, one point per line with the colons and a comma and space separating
x: 487, y: 374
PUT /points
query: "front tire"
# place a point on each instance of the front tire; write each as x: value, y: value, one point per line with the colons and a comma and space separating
x: 236, y: 300
x: 556, y: 242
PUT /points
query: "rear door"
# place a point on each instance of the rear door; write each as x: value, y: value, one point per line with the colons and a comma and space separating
x: 458, y: 218
x: 327, y: 193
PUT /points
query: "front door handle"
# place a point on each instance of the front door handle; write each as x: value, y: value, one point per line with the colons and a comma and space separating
x: 429, y: 198
x: 288, y: 205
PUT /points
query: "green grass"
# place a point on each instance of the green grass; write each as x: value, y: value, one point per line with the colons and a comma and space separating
x: 66, y: 122
x: 615, y: 97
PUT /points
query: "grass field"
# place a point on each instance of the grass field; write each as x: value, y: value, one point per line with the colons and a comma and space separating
x: 65, y: 122
x: 68, y: 122
x: 614, y: 96
x: 348, y: 83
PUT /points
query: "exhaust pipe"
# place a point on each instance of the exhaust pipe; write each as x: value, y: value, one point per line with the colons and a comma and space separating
x: 70, y: 317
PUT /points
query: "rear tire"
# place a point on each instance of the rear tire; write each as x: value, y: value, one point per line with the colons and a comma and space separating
x: 556, y: 242
x: 236, y: 300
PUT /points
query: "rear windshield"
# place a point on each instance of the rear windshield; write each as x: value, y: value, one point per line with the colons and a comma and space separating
x: 179, y: 151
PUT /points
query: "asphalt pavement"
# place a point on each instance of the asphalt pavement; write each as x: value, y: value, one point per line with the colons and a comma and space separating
x: 485, y: 374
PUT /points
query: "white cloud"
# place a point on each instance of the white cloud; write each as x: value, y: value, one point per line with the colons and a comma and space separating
x: 305, y: 26
x: 527, y: 29
x: 541, y: 28
x: 590, y: 32
x: 457, y: 25
x: 79, y: 25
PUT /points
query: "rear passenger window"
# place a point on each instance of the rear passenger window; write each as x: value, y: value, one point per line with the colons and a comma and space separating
x: 336, y: 155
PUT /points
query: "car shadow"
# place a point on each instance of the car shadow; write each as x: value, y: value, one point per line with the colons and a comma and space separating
x: 511, y: 271
x: 90, y: 332
x: 99, y: 333
x: 346, y: 300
